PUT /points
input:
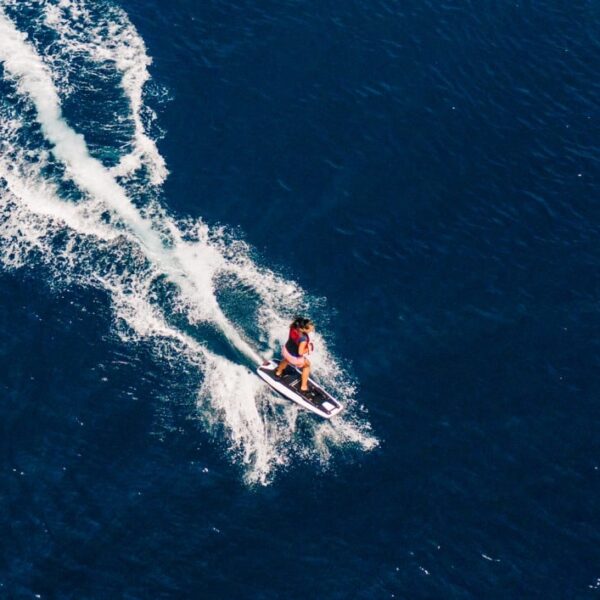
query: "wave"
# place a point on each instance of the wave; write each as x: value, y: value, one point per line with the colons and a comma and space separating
x: 83, y: 199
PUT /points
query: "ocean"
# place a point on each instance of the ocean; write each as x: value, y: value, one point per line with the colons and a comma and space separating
x: 178, y: 180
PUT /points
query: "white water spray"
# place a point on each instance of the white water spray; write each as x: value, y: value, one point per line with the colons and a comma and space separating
x: 144, y: 245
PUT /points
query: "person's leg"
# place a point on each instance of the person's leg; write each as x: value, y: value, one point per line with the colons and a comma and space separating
x: 281, y: 367
x: 305, y: 373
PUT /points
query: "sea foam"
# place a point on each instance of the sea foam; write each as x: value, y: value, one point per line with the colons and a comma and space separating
x: 95, y: 235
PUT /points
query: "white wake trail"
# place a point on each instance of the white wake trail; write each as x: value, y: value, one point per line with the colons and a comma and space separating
x: 111, y: 38
x: 22, y: 62
x: 130, y: 254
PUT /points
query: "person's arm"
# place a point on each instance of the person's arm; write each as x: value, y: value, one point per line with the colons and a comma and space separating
x: 303, y: 348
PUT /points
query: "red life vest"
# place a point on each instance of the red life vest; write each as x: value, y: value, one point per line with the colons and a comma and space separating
x: 295, y: 338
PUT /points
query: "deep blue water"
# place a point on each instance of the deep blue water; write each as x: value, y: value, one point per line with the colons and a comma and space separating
x: 427, y: 172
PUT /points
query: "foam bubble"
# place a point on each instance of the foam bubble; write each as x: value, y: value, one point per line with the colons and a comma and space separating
x: 107, y: 37
x: 62, y: 208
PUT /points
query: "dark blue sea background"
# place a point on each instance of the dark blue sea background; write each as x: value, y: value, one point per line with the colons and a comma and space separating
x: 427, y: 171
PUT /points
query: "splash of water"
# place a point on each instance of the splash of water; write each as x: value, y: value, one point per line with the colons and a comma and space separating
x: 62, y: 206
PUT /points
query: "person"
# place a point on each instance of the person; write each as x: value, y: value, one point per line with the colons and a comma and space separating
x: 296, y: 349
